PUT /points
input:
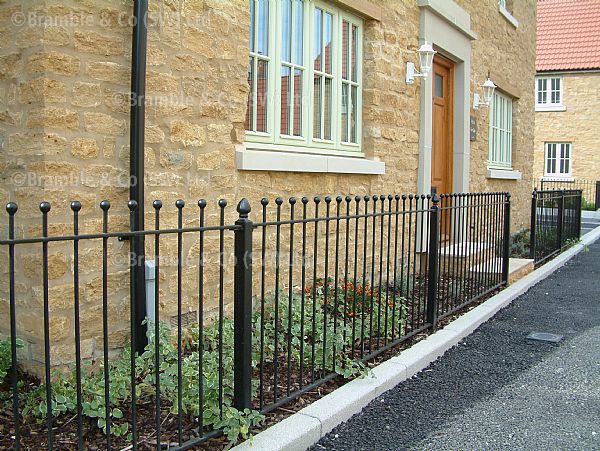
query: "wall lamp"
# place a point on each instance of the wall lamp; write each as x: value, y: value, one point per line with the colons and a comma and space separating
x: 425, y: 53
x: 488, y: 91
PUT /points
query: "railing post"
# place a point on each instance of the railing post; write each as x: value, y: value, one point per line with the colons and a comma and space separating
x: 434, y: 242
x: 506, y: 242
x: 533, y: 223
x: 242, y: 310
x: 597, y: 197
x: 578, y: 214
x: 560, y: 219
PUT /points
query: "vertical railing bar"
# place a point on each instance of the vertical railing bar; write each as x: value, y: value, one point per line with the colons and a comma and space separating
x: 263, y: 249
x: 348, y: 199
x: 395, y: 272
x: 133, y: 205
x: 443, y: 206
x: 326, y: 282
x: 222, y: 205
x: 202, y: 205
x: 372, y: 284
x: 387, y: 273
x: 292, y: 202
x: 105, y: 206
x: 180, y: 204
x: 408, y: 268
x: 11, y: 209
x: 45, y: 208
x: 423, y: 210
x: 338, y: 201
x: 402, y: 254
x: 364, y: 279
x: 279, y: 202
x: 76, y: 207
x: 303, y: 290
x: 356, y: 226
x: 379, y: 296
x: 316, y: 200
x: 157, y: 205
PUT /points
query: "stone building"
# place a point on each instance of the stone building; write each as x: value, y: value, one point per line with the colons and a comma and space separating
x: 216, y: 126
x: 567, y: 118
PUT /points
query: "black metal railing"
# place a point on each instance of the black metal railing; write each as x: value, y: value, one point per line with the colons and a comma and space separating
x: 318, y: 287
x: 590, y: 189
x: 555, y: 222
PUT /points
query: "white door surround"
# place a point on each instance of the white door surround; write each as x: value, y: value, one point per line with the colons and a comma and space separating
x: 447, y: 26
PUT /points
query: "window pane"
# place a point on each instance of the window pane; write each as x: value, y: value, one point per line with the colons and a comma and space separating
x: 327, y: 101
x: 263, y: 27
x: 542, y: 90
x: 286, y: 30
x: 298, y: 31
x: 439, y: 85
x: 298, y: 102
x: 250, y: 106
x: 345, y: 45
x: 354, y: 52
x: 353, y: 119
x: 555, y: 90
x: 261, y: 100
x: 318, y: 39
x: 328, y: 41
x: 286, y: 94
x: 344, y: 116
x: 317, y: 107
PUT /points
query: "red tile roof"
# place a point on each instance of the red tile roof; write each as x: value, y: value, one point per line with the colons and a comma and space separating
x: 568, y: 35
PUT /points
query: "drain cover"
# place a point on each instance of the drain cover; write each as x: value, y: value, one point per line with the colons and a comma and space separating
x: 545, y: 336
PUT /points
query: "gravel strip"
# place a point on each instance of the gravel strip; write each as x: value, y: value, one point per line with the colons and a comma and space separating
x: 497, y: 389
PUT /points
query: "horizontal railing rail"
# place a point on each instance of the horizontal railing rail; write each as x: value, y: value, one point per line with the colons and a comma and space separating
x: 245, y: 312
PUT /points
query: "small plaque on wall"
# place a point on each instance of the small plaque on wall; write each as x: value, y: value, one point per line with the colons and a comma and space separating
x: 473, y: 128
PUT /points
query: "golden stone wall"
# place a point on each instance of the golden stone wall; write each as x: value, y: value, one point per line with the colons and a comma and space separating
x: 64, y: 115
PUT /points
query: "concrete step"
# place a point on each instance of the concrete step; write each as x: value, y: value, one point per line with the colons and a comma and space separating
x: 471, y: 252
x: 517, y: 268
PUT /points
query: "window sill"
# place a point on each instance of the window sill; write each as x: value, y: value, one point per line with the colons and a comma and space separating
x: 269, y: 160
x: 508, y: 16
x: 550, y: 108
x: 504, y: 174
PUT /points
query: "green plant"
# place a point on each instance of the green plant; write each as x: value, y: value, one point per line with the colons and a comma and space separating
x: 6, y: 357
x: 520, y: 244
x: 327, y: 316
x: 587, y: 205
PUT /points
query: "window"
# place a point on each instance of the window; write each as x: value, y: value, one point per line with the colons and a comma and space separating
x: 305, y: 77
x: 549, y: 93
x: 558, y: 160
x: 500, y: 135
x: 506, y: 9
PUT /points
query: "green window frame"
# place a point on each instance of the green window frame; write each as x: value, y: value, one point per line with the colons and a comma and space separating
x: 500, y: 132
x: 307, y: 92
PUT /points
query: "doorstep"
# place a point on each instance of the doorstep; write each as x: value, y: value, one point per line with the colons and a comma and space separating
x: 304, y: 428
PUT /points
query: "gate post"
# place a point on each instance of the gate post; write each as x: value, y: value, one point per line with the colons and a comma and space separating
x: 242, y: 309
x: 434, y: 220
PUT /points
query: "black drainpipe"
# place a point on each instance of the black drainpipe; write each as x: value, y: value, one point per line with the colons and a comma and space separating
x: 136, y: 168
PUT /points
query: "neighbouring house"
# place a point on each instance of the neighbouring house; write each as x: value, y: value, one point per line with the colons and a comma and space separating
x: 567, y: 117
x: 250, y: 99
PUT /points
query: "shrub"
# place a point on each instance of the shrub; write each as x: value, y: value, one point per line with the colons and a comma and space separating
x: 520, y: 244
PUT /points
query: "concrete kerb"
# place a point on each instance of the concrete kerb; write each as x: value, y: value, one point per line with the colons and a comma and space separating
x: 306, y: 427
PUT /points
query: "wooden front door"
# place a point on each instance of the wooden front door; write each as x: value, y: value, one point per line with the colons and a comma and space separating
x: 442, y: 148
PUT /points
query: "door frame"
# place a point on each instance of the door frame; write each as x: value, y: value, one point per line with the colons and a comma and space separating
x: 449, y: 65
x: 447, y: 27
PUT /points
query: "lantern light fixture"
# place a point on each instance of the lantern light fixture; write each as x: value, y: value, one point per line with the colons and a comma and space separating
x: 425, y: 53
x: 488, y: 91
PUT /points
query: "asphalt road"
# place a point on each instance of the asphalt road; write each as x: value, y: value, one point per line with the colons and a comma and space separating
x: 497, y: 389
